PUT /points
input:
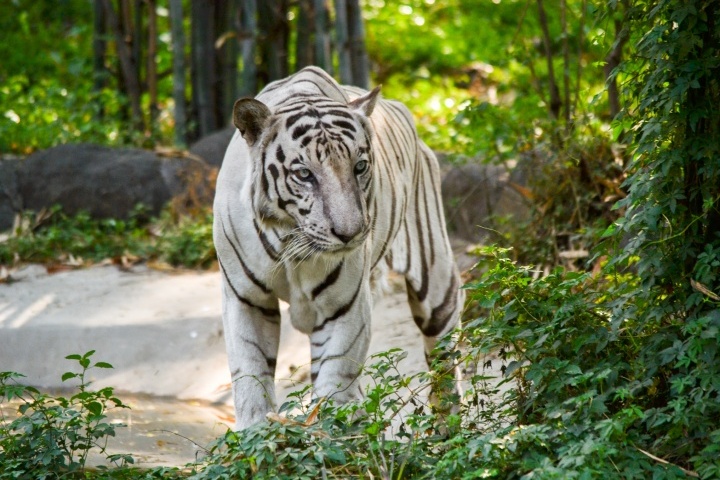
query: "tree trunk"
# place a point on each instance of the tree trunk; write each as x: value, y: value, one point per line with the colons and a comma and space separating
x: 612, y: 61
x: 248, y: 42
x: 342, y: 40
x: 135, y: 36
x: 358, y: 53
x: 203, y: 64
x: 555, y: 102
x: 99, y: 49
x: 178, y: 43
x: 323, y: 52
x: 304, y: 55
x: 226, y: 55
x: 566, y: 64
x: 274, y: 31
x: 128, y: 69
x: 152, y: 63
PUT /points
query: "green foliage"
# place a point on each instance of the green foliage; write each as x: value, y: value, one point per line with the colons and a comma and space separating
x: 672, y: 221
x: 40, y: 114
x: 52, y: 436
x: 56, y: 237
x: 188, y: 241
x: 46, y: 95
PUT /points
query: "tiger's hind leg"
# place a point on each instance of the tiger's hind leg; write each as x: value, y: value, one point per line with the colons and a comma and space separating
x: 436, y: 301
x: 436, y: 315
x: 421, y: 252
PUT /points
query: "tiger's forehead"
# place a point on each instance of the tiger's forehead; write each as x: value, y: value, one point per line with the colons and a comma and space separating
x: 324, y: 130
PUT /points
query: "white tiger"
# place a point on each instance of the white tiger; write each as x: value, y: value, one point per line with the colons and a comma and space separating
x: 323, y: 187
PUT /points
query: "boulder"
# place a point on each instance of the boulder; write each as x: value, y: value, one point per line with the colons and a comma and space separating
x: 474, y: 193
x: 211, y: 148
x: 10, y: 201
x: 109, y: 182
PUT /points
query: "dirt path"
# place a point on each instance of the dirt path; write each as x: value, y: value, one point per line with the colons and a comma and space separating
x: 162, y: 332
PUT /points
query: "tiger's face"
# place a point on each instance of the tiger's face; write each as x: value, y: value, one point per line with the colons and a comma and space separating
x: 313, y: 167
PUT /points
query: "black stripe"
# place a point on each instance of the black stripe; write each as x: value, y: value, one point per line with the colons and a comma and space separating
x: 294, y: 118
x: 385, y: 163
x: 404, y: 146
x: 320, y: 344
x: 339, y: 113
x: 417, y: 191
x: 340, y: 311
x: 437, y: 324
x: 248, y: 272
x: 271, y: 362
x: 345, y: 125
x: 265, y: 184
x: 269, y: 249
x: 409, y: 245
x: 268, y: 312
x: 329, y: 280
x: 345, y: 352
x: 429, y: 226
x: 301, y: 130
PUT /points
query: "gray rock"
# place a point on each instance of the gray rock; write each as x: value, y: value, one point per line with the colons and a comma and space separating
x: 211, y: 148
x: 106, y: 182
x: 10, y: 201
x: 474, y: 193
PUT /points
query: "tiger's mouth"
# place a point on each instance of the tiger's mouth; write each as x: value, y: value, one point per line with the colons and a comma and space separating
x: 322, y: 245
x: 300, y: 246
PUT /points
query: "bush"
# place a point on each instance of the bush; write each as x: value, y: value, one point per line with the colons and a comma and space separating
x: 52, y: 237
x: 53, y: 435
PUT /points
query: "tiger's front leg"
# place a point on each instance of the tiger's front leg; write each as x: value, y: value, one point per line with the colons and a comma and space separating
x: 252, y: 333
x: 341, y: 337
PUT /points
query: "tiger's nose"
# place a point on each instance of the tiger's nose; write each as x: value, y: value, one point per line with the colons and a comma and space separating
x: 346, y: 237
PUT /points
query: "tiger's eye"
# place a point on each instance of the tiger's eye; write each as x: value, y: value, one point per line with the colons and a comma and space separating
x: 361, y: 167
x: 303, y: 174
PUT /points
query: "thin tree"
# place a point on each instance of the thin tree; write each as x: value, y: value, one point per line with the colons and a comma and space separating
x: 203, y: 65
x: 555, y: 102
x: 323, y: 51
x: 128, y: 68
x: 248, y: 43
x: 178, y: 44
x: 342, y: 37
x: 152, y: 78
x: 226, y: 60
x: 275, y: 33
x: 304, y: 51
x: 356, y: 38
x: 613, y: 59
x: 99, y: 50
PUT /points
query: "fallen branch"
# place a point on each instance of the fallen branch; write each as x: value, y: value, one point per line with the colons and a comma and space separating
x: 689, y: 473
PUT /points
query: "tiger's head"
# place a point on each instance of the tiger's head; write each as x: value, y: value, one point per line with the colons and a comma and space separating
x: 313, y: 167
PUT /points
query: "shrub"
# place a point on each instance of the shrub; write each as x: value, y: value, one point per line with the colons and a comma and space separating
x: 53, y: 435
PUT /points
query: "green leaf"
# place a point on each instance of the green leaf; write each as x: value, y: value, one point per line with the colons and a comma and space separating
x: 103, y: 365
x: 95, y: 408
x: 74, y: 356
x: 68, y: 376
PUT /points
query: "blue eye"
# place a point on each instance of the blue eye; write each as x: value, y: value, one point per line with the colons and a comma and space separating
x: 361, y: 167
x: 303, y: 174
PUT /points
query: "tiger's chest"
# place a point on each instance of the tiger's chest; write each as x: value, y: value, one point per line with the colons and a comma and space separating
x: 319, y: 289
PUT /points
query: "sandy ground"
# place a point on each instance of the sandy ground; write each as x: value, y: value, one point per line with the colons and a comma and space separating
x: 162, y: 332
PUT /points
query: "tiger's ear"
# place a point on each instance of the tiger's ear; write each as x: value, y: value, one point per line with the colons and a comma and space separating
x: 250, y: 116
x: 366, y: 104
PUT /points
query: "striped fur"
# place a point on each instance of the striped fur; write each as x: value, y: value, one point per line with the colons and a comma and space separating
x: 322, y: 189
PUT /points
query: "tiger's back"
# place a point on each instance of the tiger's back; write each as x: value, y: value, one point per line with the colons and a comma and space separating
x: 325, y: 187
